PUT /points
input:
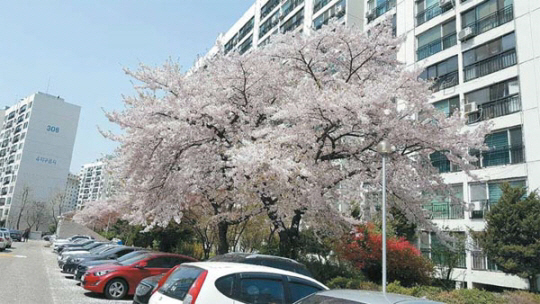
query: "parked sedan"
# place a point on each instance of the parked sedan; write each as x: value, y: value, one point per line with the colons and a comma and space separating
x: 117, y: 281
x: 86, y: 265
x: 62, y: 259
x: 3, y: 241
x: 361, y: 297
x: 111, y: 254
x: 61, y: 248
x: 16, y: 235
x: 233, y: 283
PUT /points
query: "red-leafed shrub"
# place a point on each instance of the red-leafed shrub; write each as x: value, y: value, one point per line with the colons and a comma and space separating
x: 363, y: 248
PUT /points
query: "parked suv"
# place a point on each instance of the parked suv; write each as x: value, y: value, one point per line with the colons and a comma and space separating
x: 118, y: 280
x: 16, y: 235
x: 7, y: 236
x: 215, y: 282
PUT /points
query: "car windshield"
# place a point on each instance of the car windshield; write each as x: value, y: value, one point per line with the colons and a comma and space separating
x: 98, y: 248
x: 134, y: 259
x: 130, y: 255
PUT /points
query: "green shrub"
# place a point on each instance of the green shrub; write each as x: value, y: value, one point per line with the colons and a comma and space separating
x: 521, y: 297
x: 395, y: 287
x: 469, y: 296
x: 352, y: 283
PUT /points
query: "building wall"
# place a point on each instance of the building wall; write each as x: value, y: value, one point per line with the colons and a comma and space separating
x: 94, y: 183
x: 42, y: 164
x: 71, y: 194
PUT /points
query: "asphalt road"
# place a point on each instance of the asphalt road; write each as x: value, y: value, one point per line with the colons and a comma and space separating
x: 29, y: 274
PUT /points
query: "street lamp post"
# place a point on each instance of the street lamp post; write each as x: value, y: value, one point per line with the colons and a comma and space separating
x: 384, y: 148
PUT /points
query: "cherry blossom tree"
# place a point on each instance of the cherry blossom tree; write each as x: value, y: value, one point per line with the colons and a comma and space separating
x: 286, y: 130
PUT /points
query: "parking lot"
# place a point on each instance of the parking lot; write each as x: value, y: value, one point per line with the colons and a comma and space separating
x: 29, y: 274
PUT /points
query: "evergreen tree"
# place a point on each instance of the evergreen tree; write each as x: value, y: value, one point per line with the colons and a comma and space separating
x: 512, y: 235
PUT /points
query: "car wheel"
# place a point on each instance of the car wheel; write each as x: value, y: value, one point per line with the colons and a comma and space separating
x: 116, y: 289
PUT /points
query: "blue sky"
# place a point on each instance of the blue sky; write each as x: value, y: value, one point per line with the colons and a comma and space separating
x: 83, y: 45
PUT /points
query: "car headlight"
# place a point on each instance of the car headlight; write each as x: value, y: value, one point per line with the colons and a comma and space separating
x: 102, y: 273
x: 142, y: 289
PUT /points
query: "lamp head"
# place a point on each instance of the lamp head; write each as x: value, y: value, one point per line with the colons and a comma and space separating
x: 385, y: 148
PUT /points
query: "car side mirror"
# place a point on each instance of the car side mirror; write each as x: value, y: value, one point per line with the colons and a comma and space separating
x: 141, y: 265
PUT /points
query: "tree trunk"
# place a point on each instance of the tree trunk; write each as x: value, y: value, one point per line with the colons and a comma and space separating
x: 289, y: 237
x: 223, y: 243
x: 532, y: 284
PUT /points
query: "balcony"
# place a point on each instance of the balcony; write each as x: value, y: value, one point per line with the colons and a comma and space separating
x: 318, y: 5
x: 445, y: 81
x: 504, y: 155
x: 436, y: 46
x: 493, y: 20
x: 430, y: 13
x: 446, y: 211
x: 490, y: 65
x: 289, y: 26
x: 381, y: 9
x: 501, y: 107
x: 481, y: 262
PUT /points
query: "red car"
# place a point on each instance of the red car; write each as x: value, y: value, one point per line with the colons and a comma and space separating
x: 121, y: 279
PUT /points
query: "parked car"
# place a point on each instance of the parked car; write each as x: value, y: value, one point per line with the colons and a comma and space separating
x: 61, y: 248
x: 217, y: 282
x: 3, y: 241
x: 149, y: 285
x: 85, y: 265
x: 58, y: 242
x: 63, y: 258
x: 263, y: 260
x: 16, y: 235
x: 86, y: 248
x: 117, y: 281
x: 346, y: 296
x: 110, y: 253
x: 7, y: 236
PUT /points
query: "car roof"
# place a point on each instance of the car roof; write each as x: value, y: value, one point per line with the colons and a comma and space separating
x: 230, y: 268
x: 368, y: 296
x: 240, y: 256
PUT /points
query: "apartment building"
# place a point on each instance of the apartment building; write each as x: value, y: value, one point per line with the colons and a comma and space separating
x: 94, y: 183
x: 484, y: 59
x: 37, y: 138
x: 71, y: 194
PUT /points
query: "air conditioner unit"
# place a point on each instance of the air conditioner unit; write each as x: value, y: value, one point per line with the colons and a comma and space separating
x: 370, y: 15
x: 445, y: 3
x: 465, y: 33
x: 471, y: 108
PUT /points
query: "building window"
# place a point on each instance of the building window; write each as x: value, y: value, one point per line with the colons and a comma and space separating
x: 436, y: 39
x: 269, y: 24
x: 448, y: 106
x: 11, y: 115
x: 20, y: 119
x: 289, y: 6
x: 504, y: 147
x: 246, y: 28
x: 443, y: 74
x: 496, y: 100
x: 484, y: 195
x: 336, y: 11
x: 377, y: 8
x: 487, y: 15
x: 293, y: 22
x: 445, y: 207
x: 246, y: 45
x: 490, y: 57
x: 25, y: 125
x: 268, y: 8
x: 429, y: 9
x: 231, y: 44
x: 22, y: 109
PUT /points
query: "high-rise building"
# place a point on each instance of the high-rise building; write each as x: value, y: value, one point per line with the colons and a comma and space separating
x: 94, y: 183
x: 72, y: 193
x: 483, y: 57
x: 37, y: 138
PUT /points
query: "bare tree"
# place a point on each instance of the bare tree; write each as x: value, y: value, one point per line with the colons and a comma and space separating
x: 57, y: 206
x: 24, y: 202
x: 36, y: 214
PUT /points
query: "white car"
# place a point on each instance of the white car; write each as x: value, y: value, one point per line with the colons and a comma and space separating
x: 233, y: 283
x: 7, y: 236
x: 3, y: 241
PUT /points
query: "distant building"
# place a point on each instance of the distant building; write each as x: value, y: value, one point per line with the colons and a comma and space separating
x: 36, y: 145
x: 72, y: 193
x: 94, y: 183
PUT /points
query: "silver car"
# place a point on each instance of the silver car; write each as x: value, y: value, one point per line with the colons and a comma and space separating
x: 7, y: 236
x: 3, y: 241
x: 346, y: 296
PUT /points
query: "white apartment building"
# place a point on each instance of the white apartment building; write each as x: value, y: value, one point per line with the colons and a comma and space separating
x: 94, y: 183
x: 37, y: 140
x: 71, y: 194
x: 484, y: 56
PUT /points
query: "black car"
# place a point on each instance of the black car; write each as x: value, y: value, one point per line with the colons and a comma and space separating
x: 263, y: 260
x: 145, y: 288
x: 16, y: 235
x: 71, y: 264
x: 86, y: 247
x: 83, y: 267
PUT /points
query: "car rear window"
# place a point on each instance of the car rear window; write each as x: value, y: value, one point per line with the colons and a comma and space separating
x: 180, y: 281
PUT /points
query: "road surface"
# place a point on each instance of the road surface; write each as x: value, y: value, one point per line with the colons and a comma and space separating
x: 29, y: 274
